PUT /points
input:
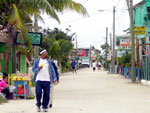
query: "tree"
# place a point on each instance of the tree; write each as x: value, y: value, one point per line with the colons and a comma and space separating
x: 57, y: 33
x: 104, y: 48
x: 57, y: 49
x: 126, y: 59
x: 58, y: 44
x: 15, y: 13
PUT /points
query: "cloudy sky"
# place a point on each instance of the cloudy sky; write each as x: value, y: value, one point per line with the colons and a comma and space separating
x: 92, y: 30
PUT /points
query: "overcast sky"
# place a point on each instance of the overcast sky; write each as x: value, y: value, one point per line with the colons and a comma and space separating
x: 92, y: 30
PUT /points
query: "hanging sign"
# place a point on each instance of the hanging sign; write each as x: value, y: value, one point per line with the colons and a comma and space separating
x: 140, y: 30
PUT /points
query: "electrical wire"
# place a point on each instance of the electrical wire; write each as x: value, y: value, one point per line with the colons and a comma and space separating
x: 118, y: 3
x: 120, y: 17
x: 74, y: 20
x: 64, y: 12
x: 84, y: 2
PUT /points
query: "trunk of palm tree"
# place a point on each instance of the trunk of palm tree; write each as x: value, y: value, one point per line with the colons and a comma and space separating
x: 9, y: 41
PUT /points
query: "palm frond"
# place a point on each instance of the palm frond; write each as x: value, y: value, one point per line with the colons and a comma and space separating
x: 61, y: 5
x: 15, y: 18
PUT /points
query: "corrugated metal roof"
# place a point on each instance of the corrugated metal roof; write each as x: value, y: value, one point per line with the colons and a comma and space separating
x: 139, y: 4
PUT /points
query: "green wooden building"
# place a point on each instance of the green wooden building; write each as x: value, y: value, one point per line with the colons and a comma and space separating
x: 21, y: 59
x: 142, y: 19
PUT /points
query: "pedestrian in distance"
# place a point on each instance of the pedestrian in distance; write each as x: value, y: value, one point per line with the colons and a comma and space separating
x: 44, y: 76
x: 73, y: 65
x: 52, y: 84
x: 94, y: 65
x: 99, y: 65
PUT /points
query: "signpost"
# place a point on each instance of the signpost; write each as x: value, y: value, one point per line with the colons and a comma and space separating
x: 35, y: 38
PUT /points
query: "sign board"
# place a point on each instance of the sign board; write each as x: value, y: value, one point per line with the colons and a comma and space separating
x: 35, y: 38
x: 120, y: 53
x: 81, y: 53
x: 125, y: 42
x: 74, y: 53
x: 140, y: 30
x: 93, y: 57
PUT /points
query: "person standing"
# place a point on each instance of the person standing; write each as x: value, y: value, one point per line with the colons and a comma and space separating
x: 73, y: 65
x: 44, y: 76
x: 99, y: 65
x: 94, y: 65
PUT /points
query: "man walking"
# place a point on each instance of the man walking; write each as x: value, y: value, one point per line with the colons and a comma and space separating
x: 44, y: 76
x: 73, y: 65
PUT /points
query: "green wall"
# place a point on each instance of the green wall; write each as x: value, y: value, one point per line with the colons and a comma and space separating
x: 139, y: 14
x: 2, y: 50
x: 23, y: 64
x: 2, y: 47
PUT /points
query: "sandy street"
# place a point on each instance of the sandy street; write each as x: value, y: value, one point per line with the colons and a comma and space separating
x: 90, y: 92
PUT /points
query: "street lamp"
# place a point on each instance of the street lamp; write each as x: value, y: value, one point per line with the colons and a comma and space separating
x: 76, y: 45
x: 113, y: 56
x: 76, y: 40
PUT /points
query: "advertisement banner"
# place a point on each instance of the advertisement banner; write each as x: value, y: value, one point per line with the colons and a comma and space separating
x: 81, y: 53
x: 140, y: 30
x: 125, y: 43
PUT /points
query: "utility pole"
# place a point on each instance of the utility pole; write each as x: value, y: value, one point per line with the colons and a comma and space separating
x: 110, y: 41
x: 133, y: 41
x: 76, y: 43
x: 77, y: 50
x: 90, y: 56
x: 111, y: 48
x: 106, y: 42
x: 113, y: 56
x: 36, y: 48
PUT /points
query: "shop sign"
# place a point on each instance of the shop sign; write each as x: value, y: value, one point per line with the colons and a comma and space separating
x: 35, y: 38
x: 139, y: 30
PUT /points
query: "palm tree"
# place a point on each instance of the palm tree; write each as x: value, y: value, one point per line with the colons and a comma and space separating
x: 15, y: 13
x: 58, y: 49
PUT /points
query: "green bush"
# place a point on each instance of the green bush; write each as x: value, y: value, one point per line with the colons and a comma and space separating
x: 127, y: 65
x: 106, y: 64
x: 125, y: 59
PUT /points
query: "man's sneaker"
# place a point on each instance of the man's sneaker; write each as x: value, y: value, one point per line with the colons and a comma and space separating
x: 44, y: 109
x: 38, y: 109
x: 50, y: 105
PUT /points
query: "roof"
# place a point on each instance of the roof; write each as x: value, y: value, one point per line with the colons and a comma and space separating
x: 83, y: 48
x: 3, y: 38
x: 139, y: 4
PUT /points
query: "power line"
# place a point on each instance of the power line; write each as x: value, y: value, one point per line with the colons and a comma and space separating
x: 121, y: 15
x: 84, y: 2
x: 117, y: 3
x: 64, y: 12
x: 76, y: 19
